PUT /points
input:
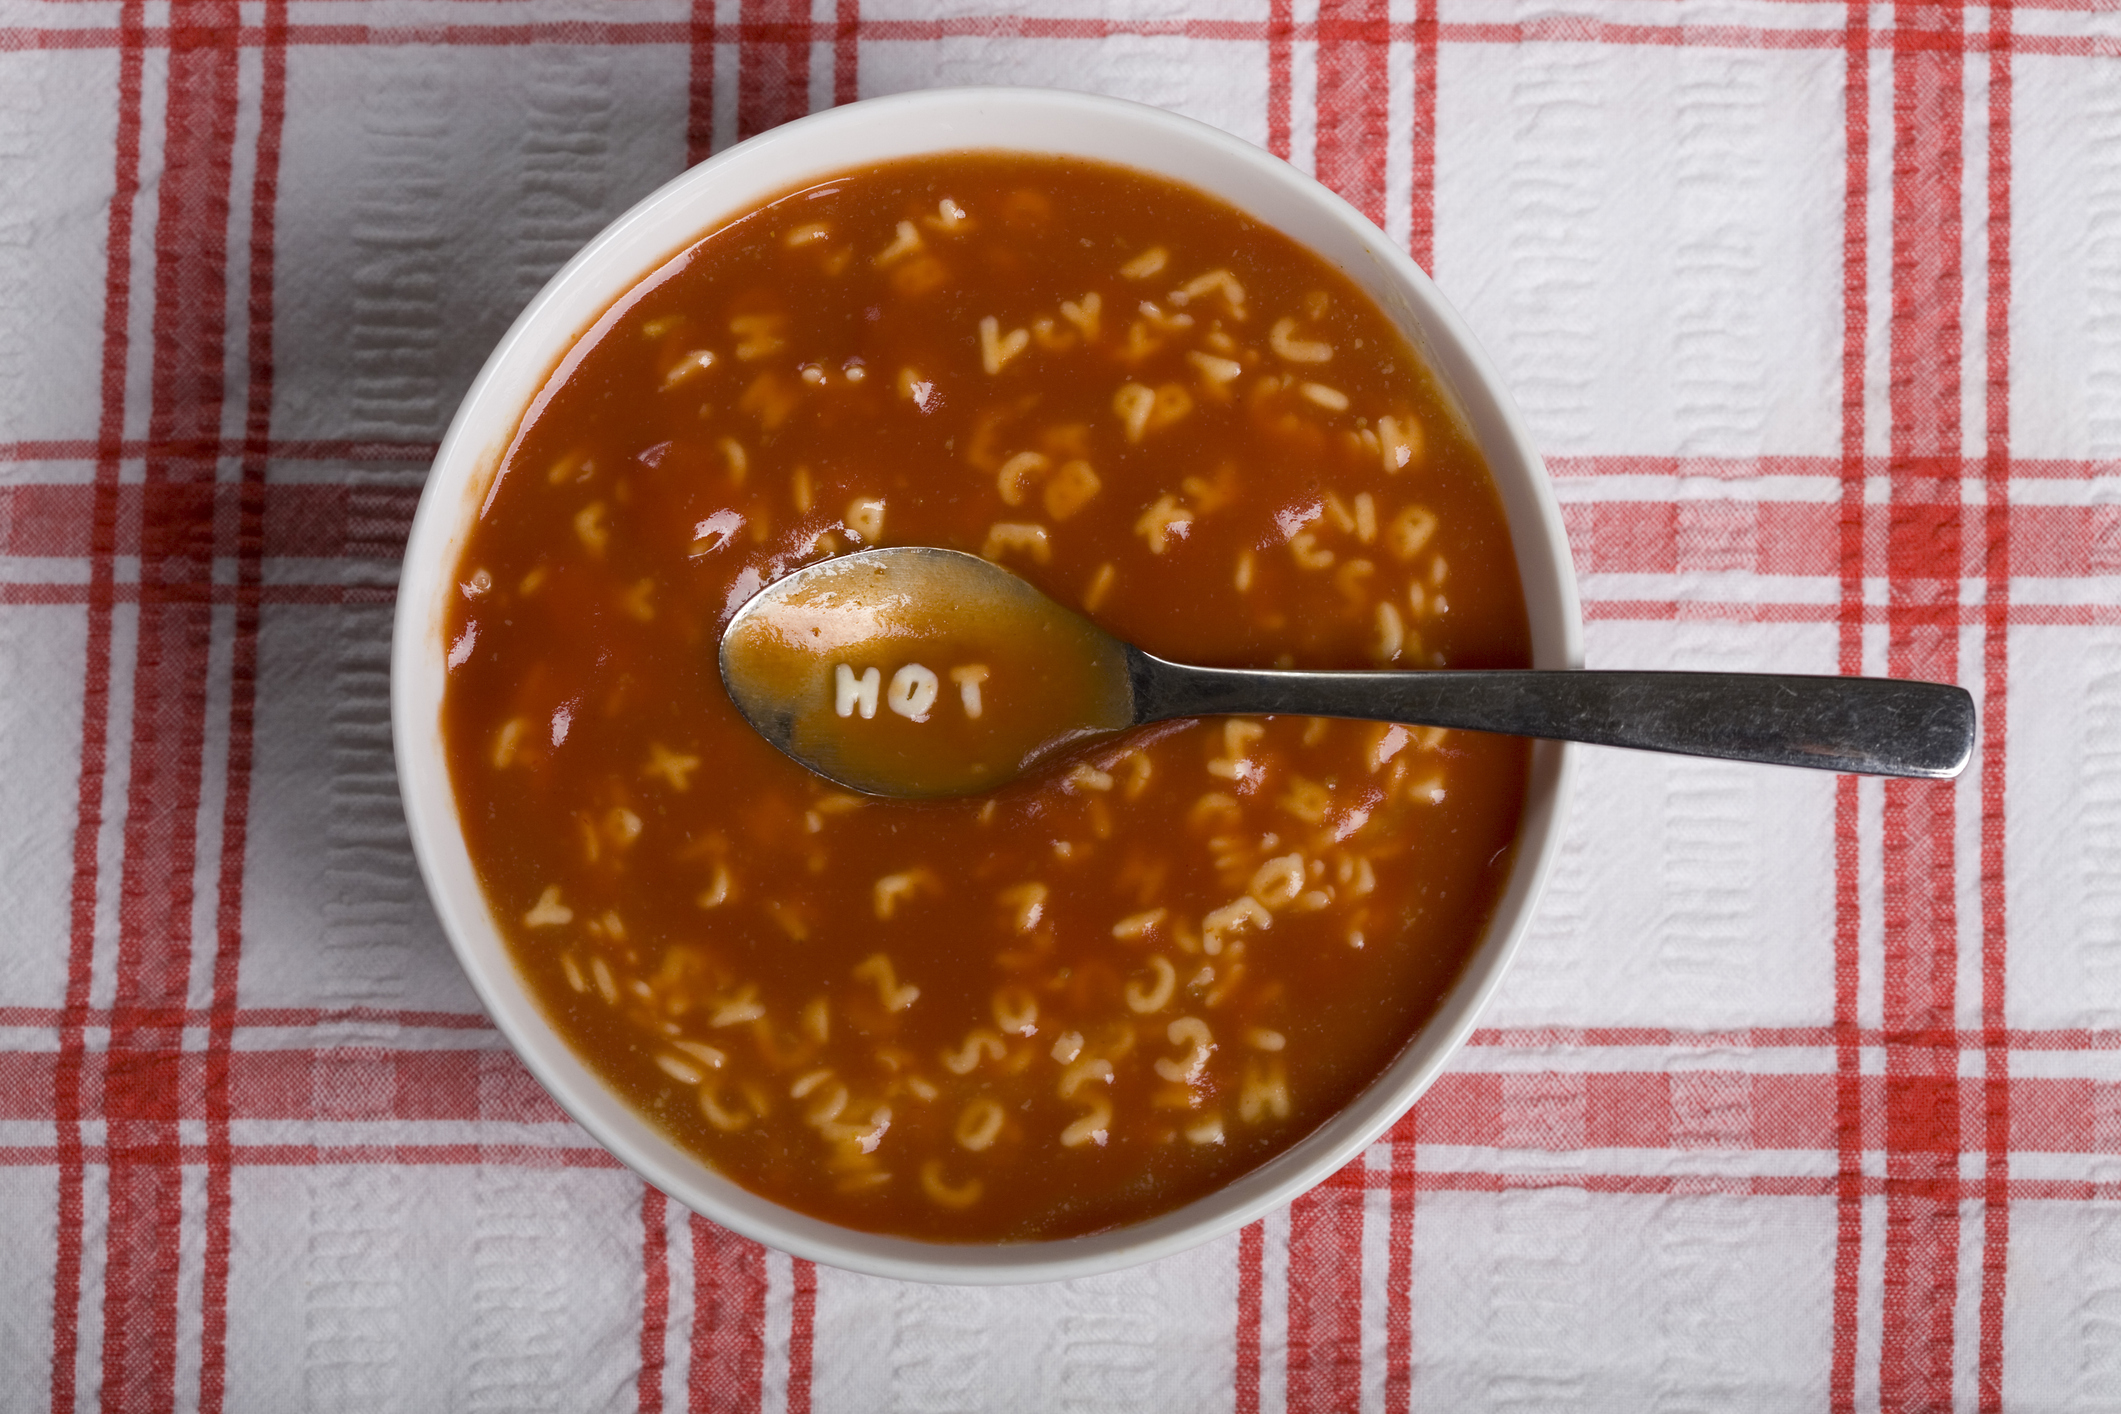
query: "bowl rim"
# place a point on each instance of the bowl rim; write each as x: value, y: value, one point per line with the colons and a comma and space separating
x: 736, y: 181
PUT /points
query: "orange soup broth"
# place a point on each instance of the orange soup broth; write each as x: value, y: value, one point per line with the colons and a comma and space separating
x: 1096, y: 994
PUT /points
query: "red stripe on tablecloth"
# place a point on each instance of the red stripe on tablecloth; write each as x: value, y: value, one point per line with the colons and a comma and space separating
x: 381, y: 1083
x: 1665, y: 537
x: 533, y: 1157
x: 243, y: 697
x: 1622, y: 1108
x: 95, y: 722
x: 312, y: 519
x: 2022, y: 1190
x: 1995, y: 700
x: 2067, y: 46
x: 1399, y: 1270
x: 1923, y: 565
x: 1559, y: 467
x: 1848, y: 1088
x: 201, y: 594
x: 773, y: 65
x: 555, y: 1159
x: 1421, y: 227
x: 1654, y: 610
x: 253, y: 1017
x: 699, y: 111
x: 1760, y: 1038
x: 1791, y: 1113
x: 728, y: 1322
x: 1351, y: 136
x: 1545, y: 30
x: 2031, y: 1039
x: 1748, y: 468
x: 2037, y: 7
x: 47, y: 520
x: 1796, y: 538
x: 1251, y: 1257
x: 1793, y: 1110
x: 1563, y: 468
x: 846, y: 52
x: 551, y: 1159
x: 1799, y: 537
x: 1571, y: 29
x: 329, y: 1016
x: 169, y: 710
x: 1696, y: 467
x: 1576, y: 30
x: 655, y: 1299
x: 304, y: 449
x: 1281, y: 25
x: 1000, y: 26
x: 1325, y: 1298
x: 802, y: 1334
x: 1594, y: 609
x: 1353, y: 130
x: 1708, y: 611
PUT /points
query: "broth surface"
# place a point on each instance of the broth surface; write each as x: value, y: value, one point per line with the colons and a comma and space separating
x: 1100, y: 992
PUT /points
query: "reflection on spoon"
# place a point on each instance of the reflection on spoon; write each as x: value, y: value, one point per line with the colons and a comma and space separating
x: 916, y: 672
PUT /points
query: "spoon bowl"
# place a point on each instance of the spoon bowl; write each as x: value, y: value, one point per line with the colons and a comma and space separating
x: 917, y: 672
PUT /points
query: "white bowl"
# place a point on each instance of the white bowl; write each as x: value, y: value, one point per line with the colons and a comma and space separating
x: 1023, y: 120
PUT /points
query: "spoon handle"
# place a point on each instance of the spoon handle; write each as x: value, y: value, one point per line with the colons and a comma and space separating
x: 1871, y: 726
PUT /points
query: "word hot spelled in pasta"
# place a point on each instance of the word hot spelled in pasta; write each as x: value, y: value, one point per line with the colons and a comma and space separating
x: 806, y: 662
x: 1103, y: 990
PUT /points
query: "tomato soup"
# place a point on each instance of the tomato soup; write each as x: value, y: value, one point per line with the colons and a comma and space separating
x: 1095, y: 993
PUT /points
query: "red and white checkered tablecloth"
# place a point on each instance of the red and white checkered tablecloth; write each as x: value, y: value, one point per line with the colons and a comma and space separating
x: 1805, y: 1092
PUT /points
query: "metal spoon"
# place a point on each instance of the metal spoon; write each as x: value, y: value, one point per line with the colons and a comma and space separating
x: 806, y: 661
